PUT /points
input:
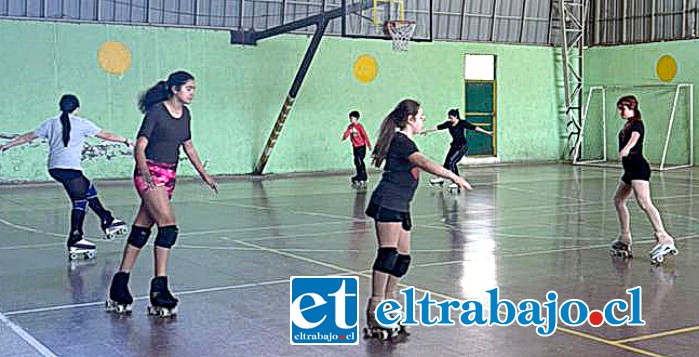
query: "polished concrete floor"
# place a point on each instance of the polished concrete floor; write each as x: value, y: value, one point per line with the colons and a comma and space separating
x: 524, y: 229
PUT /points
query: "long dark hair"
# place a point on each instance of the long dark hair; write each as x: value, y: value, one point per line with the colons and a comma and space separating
x: 630, y: 102
x: 454, y: 113
x: 68, y: 104
x: 162, y: 90
x: 396, y: 119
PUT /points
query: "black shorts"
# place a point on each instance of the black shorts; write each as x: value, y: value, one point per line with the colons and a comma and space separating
x: 636, y: 170
x: 382, y: 214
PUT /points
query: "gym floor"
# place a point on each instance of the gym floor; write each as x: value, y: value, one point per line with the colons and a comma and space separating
x: 525, y: 229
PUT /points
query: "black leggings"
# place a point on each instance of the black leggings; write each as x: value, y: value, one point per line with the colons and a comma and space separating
x: 75, y: 183
x: 82, y: 193
x: 455, y: 154
x: 359, y: 154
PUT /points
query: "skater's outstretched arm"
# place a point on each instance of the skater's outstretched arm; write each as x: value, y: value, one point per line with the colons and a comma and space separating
x: 431, y: 130
x: 478, y: 129
x: 196, y: 162
x: 20, y: 140
x: 430, y: 166
x: 105, y: 135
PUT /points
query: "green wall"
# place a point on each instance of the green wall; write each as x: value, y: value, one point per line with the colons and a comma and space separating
x: 632, y: 69
x: 40, y: 61
x: 241, y: 89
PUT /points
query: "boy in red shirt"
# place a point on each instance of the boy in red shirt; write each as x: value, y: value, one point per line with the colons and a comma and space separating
x: 360, y: 143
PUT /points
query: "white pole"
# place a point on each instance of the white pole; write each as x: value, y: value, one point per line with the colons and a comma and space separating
x: 669, y: 127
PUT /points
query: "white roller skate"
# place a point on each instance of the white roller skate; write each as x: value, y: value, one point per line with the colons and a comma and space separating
x: 621, y: 249
x: 117, y: 229
x: 358, y: 183
x: 82, y: 249
x: 437, y: 181
x: 659, y: 251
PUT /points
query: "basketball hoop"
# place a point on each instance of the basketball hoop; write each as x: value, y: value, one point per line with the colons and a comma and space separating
x: 401, y: 32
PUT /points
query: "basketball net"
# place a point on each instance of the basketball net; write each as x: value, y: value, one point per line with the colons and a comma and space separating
x: 401, y: 32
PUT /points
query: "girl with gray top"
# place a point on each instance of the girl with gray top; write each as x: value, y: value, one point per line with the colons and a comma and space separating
x: 66, y: 134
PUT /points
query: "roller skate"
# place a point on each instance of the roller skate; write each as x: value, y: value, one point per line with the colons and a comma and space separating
x: 357, y: 182
x: 80, y: 249
x: 115, y: 229
x: 660, y: 250
x: 120, y: 298
x: 437, y: 181
x: 162, y: 303
x: 76, y: 265
x: 374, y: 330
x: 621, y: 249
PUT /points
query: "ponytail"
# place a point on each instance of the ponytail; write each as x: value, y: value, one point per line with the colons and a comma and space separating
x: 396, y: 120
x: 68, y: 104
x: 455, y: 113
x: 162, y: 90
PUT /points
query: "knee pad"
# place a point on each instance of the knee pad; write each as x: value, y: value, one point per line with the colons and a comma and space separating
x: 166, y: 236
x: 138, y: 236
x: 91, y: 192
x: 80, y: 205
x: 77, y: 188
x: 386, y: 260
x: 402, y: 264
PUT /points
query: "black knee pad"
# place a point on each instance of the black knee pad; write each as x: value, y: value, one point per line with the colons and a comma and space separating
x: 78, y: 188
x: 166, y: 236
x: 402, y: 264
x: 138, y: 236
x: 386, y: 260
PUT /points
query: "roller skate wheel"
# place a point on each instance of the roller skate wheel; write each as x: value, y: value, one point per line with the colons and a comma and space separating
x: 73, y: 256
x: 382, y: 335
x: 674, y: 252
x: 90, y: 255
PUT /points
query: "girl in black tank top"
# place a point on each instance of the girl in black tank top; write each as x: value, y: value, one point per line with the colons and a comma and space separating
x: 390, y: 202
x: 636, y: 179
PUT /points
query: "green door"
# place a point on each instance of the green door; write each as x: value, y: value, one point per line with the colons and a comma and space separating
x: 480, y: 111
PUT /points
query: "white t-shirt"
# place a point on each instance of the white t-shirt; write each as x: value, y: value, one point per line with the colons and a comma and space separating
x: 66, y: 157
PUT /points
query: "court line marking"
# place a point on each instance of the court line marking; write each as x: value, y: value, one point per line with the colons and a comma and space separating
x: 434, y: 293
x: 38, y: 346
x: 146, y: 297
x: 659, y: 334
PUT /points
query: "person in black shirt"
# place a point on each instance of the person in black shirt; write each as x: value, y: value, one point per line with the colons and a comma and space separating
x: 389, y: 205
x: 458, y: 148
x: 635, y: 179
x: 165, y: 128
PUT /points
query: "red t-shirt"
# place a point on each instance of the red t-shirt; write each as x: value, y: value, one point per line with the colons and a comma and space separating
x: 357, y: 135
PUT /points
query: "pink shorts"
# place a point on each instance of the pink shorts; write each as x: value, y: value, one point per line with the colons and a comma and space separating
x: 162, y: 174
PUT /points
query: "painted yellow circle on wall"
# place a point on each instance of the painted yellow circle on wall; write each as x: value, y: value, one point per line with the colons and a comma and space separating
x: 666, y: 68
x: 114, y: 57
x: 365, y: 69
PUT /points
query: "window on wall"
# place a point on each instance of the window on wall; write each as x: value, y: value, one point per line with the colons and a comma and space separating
x: 480, y: 103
